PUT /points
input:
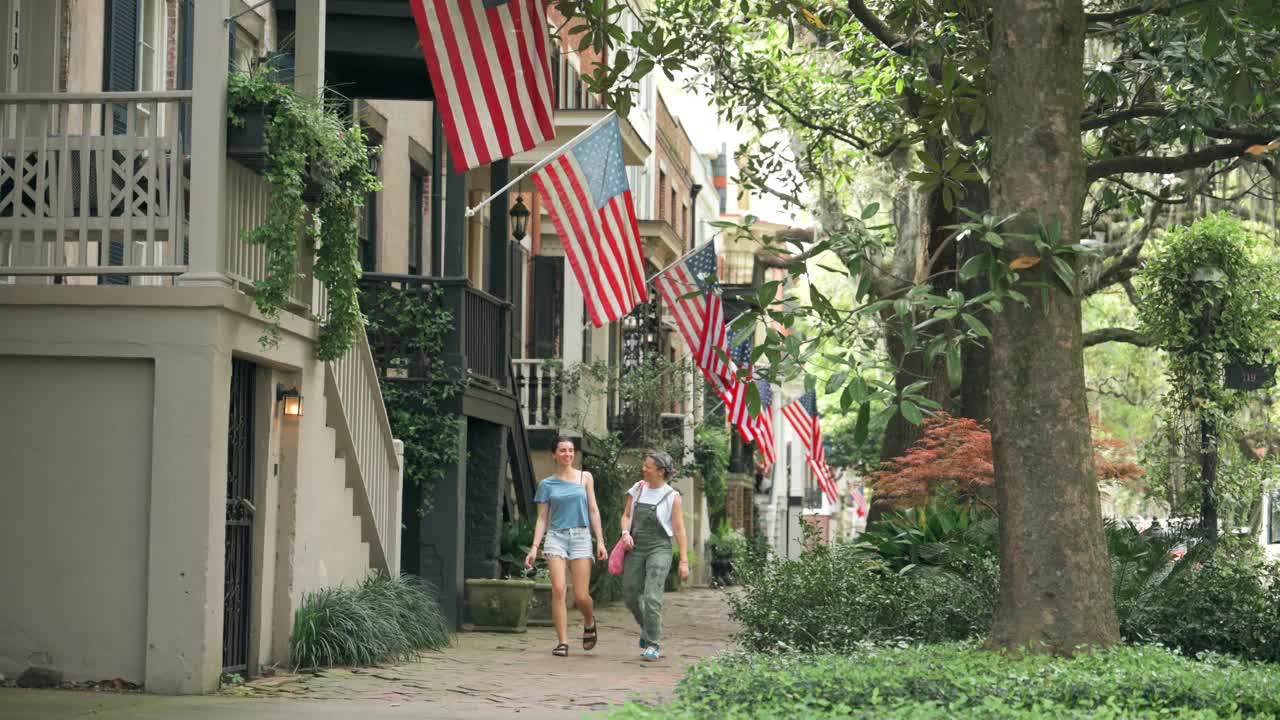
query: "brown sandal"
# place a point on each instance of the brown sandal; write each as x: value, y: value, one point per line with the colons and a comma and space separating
x: 561, y: 650
x: 589, y: 637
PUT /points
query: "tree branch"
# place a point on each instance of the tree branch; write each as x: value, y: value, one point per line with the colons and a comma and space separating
x: 1165, y: 165
x: 1124, y: 335
x: 1098, y: 122
x: 879, y: 30
x: 1160, y: 7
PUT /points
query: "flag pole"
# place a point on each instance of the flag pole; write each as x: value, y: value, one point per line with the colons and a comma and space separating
x: 541, y: 163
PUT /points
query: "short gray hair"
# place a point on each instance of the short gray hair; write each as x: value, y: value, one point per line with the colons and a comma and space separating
x: 664, y: 463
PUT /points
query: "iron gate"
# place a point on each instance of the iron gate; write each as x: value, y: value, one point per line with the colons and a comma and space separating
x: 239, y: 542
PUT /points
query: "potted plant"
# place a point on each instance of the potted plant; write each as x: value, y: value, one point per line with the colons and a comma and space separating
x: 725, y: 545
x: 502, y: 605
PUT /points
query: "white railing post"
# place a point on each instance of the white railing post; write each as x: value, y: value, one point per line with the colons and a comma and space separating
x: 208, y: 144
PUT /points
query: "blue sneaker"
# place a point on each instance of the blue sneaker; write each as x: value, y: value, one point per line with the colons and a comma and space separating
x: 651, y: 653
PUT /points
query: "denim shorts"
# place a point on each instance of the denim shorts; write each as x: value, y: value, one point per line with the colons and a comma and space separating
x: 568, y: 543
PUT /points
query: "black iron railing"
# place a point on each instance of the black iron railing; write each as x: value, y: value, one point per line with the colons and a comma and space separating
x: 476, y: 346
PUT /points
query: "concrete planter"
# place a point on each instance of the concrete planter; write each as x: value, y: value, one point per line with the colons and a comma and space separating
x: 500, y: 605
x: 540, y: 604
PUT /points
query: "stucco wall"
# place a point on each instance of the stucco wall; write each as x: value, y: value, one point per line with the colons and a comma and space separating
x: 73, y: 523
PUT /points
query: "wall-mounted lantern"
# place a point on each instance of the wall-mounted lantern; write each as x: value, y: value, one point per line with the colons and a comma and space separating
x: 290, y: 401
x: 519, y: 219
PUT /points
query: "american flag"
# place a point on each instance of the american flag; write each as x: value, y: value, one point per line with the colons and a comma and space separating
x: 691, y: 273
x: 764, y: 424
x: 859, y: 501
x: 739, y: 408
x: 586, y: 194
x: 803, y: 414
x: 490, y: 73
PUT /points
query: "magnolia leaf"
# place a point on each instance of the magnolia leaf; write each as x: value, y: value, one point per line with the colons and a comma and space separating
x: 910, y: 412
x: 1024, y: 262
x: 860, y: 425
x: 1260, y: 149
x: 812, y: 19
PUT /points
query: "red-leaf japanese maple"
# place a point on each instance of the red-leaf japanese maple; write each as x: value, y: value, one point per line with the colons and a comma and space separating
x: 954, y: 455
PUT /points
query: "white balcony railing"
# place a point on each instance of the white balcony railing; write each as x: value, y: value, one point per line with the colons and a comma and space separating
x: 538, y: 390
x: 93, y: 184
x: 364, y: 433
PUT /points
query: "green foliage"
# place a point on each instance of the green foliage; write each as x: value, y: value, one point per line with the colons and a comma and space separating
x: 613, y: 474
x: 415, y: 323
x: 1224, y: 602
x: 303, y: 137
x: 727, y: 543
x: 942, y: 535
x: 1207, y: 297
x: 835, y: 597
x: 957, y: 680
x: 380, y: 620
x: 516, y: 539
x: 711, y: 457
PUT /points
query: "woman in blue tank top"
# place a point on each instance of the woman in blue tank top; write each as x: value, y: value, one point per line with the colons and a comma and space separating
x: 566, y: 505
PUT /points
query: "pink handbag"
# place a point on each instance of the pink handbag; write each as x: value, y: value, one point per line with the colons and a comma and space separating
x: 617, y: 558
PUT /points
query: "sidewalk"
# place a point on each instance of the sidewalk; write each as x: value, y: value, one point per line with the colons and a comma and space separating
x: 485, y: 675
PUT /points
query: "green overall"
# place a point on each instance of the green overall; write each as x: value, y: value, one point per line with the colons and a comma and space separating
x: 644, y: 575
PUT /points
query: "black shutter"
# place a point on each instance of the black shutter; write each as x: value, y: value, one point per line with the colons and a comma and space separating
x: 120, y: 74
x: 416, y: 187
x: 548, y: 305
x: 121, y: 61
x: 186, y: 36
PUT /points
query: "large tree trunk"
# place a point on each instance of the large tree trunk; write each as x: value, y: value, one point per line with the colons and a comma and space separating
x: 1055, y: 579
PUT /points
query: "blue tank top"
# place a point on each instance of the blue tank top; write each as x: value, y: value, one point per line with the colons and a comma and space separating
x: 568, y: 501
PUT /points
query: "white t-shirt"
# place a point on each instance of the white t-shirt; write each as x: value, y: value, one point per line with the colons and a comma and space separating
x: 663, y: 497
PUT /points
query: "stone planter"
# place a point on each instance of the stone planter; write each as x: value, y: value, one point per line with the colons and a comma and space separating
x: 247, y: 145
x: 540, y: 604
x: 500, y: 605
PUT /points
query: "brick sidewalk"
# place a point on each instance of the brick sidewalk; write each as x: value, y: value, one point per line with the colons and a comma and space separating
x: 493, y: 674
x: 485, y: 675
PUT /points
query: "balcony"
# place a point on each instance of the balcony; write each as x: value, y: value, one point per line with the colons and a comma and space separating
x: 476, y: 347
x: 94, y: 184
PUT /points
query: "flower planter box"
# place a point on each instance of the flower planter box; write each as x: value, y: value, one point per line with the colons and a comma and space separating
x: 500, y: 605
x: 247, y: 145
x: 540, y: 604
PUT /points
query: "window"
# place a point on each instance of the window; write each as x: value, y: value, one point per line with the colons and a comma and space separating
x: 417, y: 218
x: 367, y: 227
x: 662, y: 196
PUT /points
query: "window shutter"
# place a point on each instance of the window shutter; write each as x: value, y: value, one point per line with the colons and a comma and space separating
x: 120, y: 66
x: 186, y: 36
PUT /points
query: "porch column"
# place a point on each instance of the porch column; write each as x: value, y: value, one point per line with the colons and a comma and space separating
x: 207, y: 234
x: 309, y: 47
x: 572, y: 348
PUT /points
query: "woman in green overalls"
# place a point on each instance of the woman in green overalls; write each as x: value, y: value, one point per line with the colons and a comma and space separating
x: 653, y: 515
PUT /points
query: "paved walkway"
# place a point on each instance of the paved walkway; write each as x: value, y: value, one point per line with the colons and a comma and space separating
x: 485, y: 675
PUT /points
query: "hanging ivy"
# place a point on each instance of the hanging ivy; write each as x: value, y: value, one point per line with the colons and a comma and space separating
x: 307, y: 142
x: 407, y: 331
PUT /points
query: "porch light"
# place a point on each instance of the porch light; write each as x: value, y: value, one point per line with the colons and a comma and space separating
x: 290, y: 401
x: 519, y: 219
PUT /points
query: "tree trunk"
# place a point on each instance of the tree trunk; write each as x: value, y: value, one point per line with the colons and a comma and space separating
x: 1055, y: 579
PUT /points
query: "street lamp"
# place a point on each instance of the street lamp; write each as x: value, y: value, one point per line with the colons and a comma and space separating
x: 519, y: 219
x: 290, y: 401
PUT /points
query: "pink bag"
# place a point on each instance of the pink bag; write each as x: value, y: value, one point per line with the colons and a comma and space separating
x: 617, y: 558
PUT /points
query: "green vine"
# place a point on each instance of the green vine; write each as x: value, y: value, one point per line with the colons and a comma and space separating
x: 711, y: 455
x: 407, y: 329
x: 306, y: 141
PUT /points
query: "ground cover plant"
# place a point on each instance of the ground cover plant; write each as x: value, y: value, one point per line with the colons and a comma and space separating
x: 959, y: 680
x: 380, y: 620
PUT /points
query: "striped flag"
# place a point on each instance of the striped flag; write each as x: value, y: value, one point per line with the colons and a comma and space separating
x: 803, y: 414
x: 764, y: 424
x: 739, y: 408
x: 585, y: 191
x: 859, y: 501
x: 688, y: 274
x: 490, y: 73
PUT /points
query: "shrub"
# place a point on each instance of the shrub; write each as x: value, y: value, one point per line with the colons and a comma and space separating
x: 958, y: 680
x: 380, y: 620
x: 836, y: 597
